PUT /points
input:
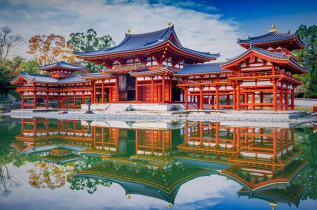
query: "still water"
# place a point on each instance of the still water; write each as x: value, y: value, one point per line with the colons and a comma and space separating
x: 69, y: 164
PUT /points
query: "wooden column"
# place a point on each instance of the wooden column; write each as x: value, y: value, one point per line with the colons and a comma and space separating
x: 286, y: 98
x: 46, y: 99
x: 94, y: 93
x: 246, y: 101
x: 35, y: 99
x: 102, y: 92
x: 152, y: 89
x: 281, y: 97
x: 238, y: 98
x: 253, y: 101
x: 22, y: 100
x: 74, y: 103
x: 82, y: 97
x: 274, y: 96
x: 186, y: 98
x: 228, y: 102
x: 136, y: 89
x: 293, y: 98
x: 170, y: 92
x: 66, y: 100
x: 217, y: 97
x: 163, y: 89
x: 201, y: 99
x: 234, y: 97
x: 117, y: 88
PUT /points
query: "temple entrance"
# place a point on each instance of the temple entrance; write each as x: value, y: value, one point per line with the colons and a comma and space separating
x: 130, y: 88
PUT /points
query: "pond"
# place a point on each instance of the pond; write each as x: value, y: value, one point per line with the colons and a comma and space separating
x: 71, y: 164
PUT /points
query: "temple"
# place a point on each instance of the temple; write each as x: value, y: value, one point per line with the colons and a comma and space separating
x: 155, y: 68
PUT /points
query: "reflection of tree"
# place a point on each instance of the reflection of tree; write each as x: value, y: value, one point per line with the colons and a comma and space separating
x: 7, y: 182
x: 7, y: 156
x: 307, y: 141
x: 89, y: 184
x: 47, y: 175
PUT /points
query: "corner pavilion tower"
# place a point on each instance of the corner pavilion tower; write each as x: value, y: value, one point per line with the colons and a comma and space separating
x: 155, y: 68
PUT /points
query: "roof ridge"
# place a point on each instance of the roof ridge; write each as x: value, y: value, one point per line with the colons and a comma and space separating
x: 152, y: 32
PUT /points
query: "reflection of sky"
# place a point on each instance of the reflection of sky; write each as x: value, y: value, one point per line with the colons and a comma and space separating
x: 203, y: 193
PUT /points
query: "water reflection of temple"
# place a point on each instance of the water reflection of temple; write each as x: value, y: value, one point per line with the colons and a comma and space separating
x: 156, y: 158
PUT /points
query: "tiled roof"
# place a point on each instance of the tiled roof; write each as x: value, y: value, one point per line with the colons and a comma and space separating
x: 38, y: 77
x: 61, y: 64
x: 273, y: 55
x: 270, y: 37
x: 95, y: 75
x: 207, y: 68
x: 133, y: 42
x: 72, y: 79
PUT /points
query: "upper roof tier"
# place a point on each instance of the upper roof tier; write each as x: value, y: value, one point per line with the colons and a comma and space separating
x: 273, y: 38
x: 61, y: 65
x: 142, y: 43
x: 60, y: 69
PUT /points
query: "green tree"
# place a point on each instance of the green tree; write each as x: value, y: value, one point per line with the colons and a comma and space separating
x: 29, y: 67
x: 308, y: 58
x: 90, y: 41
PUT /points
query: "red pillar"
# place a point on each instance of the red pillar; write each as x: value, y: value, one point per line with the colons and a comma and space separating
x: 152, y: 89
x: 22, y: 100
x: 234, y: 97
x: 246, y: 101
x: 253, y: 101
x: 35, y: 99
x: 170, y: 92
x: 293, y: 99
x: 74, y: 104
x: 281, y: 97
x: 136, y: 89
x: 186, y: 98
x: 217, y: 97
x: 46, y: 99
x: 102, y: 92
x: 228, y: 101
x: 238, y: 98
x: 286, y: 98
x: 201, y: 99
x: 274, y: 96
x: 163, y: 89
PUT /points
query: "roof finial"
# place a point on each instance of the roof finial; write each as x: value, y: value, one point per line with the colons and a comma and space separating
x: 169, y: 24
x: 273, y: 29
x: 129, y: 30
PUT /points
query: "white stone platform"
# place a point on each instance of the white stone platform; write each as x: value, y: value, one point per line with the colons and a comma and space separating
x: 120, y: 107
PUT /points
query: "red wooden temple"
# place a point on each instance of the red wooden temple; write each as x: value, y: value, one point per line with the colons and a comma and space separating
x: 155, y: 68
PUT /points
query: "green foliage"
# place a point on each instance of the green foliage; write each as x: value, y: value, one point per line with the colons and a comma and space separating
x: 5, y: 70
x: 29, y: 67
x: 308, y: 58
x: 90, y: 41
x: 307, y: 141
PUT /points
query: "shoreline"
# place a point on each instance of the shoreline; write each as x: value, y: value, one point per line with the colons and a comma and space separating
x: 295, y: 117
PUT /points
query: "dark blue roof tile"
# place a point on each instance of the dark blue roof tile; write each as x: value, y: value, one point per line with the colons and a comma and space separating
x: 194, y: 69
x: 270, y: 37
x: 143, y: 41
x: 61, y: 64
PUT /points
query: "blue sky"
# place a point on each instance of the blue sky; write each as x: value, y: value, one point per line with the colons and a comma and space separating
x: 205, y: 25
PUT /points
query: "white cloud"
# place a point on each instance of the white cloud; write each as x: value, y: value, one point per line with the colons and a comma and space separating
x: 196, y: 30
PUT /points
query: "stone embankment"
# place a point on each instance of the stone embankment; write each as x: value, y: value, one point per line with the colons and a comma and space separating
x: 294, y: 117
